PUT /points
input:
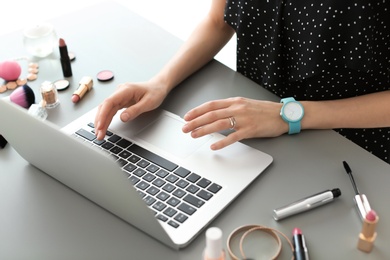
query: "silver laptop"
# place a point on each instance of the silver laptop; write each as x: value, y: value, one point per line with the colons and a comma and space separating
x: 175, y: 188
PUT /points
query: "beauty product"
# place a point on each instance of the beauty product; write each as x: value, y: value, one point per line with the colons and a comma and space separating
x: 40, y: 39
x: 65, y: 60
x: 10, y: 70
x: 23, y: 96
x: 214, y: 250
x: 38, y: 110
x: 85, y: 85
x: 49, y: 94
x: 105, y: 75
x: 361, y: 201
x: 307, y: 203
x: 299, y: 243
x: 368, y: 234
x: 61, y: 84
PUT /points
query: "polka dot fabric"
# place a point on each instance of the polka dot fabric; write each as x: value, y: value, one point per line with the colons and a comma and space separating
x: 317, y: 50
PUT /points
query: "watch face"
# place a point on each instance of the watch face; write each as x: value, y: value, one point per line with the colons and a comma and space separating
x: 293, y: 111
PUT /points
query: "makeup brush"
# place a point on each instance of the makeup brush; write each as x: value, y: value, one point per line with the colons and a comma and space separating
x: 23, y: 96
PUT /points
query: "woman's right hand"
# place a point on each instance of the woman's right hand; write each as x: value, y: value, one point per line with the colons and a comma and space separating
x: 137, y: 98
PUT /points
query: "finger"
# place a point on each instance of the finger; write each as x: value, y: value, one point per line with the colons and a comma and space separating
x: 144, y: 104
x: 207, y: 107
x: 228, y: 140
x: 213, y: 127
x: 220, y: 116
x: 103, y: 118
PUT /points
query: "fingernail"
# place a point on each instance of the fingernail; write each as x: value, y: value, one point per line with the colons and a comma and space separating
x: 125, y: 117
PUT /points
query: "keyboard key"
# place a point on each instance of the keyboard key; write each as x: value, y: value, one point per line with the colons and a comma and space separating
x: 141, y: 193
x: 187, y: 208
x: 143, y: 163
x: 152, y: 168
x: 124, y: 154
x: 159, y: 206
x: 142, y: 185
x: 163, y: 196
x: 124, y: 143
x: 173, y: 224
x: 162, y: 173
x: 179, y: 193
x: 214, y: 188
x: 204, y: 195
x: 169, y: 187
x: 99, y: 142
x: 139, y: 172
x: 149, y: 200
x: 134, y: 179
x: 116, y: 150
x: 194, y: 201
x: 172, y: 178
x: 107, y: 145
x: 182, y: 183
x: 86, y: 134
x: 173, y: 201
x: 193, y: 177
x: 162, y: 218
x: 156, y: 159
x: 192, y: 189
x: 114, y: 138
x: 182, y: 172
x: 170, y: 212
x: 203, y: 183
x: 149, y: 177
x: 181, y: 218
x: 121, y: 162
x: 158, y: 182
x: 152, y: 190
x: 129, y: 167
x: 134, y: 158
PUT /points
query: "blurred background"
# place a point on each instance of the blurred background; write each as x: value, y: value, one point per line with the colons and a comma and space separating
x: 179, y: 17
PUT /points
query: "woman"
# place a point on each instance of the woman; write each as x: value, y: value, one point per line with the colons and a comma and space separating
x: 331, y: 56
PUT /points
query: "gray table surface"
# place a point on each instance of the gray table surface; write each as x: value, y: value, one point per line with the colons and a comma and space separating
x: 42, y: 219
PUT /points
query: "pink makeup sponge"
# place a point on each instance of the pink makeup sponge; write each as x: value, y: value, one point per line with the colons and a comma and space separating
x: 23, y: 96
x: 10, y: 70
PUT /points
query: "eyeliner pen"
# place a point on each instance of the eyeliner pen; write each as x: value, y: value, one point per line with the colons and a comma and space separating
x: 361, y: 201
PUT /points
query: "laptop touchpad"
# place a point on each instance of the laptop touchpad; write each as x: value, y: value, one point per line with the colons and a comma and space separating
x: 166, y: 134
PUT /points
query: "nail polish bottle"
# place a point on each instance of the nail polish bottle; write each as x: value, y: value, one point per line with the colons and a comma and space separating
x: 214, y: 250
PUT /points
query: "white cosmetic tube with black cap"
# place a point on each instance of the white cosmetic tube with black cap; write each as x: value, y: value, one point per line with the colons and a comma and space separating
x: 306, y: 204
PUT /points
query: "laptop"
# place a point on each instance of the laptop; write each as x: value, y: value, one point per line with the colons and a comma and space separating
x: 146, y: 172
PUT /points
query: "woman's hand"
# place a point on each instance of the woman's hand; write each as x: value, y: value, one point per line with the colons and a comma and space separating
x: 248, y: 117
x: 137, y: 98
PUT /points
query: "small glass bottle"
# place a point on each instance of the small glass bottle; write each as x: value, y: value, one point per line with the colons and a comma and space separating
x: 49, y: 94
x: 38, y: 110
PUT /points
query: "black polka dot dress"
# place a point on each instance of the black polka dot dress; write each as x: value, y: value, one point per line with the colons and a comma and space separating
x: 317, y: 50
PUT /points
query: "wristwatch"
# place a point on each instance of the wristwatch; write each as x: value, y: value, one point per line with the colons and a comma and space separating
x: 292, y: 112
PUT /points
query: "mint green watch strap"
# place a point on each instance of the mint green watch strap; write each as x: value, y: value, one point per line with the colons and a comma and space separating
x: 294, y: 124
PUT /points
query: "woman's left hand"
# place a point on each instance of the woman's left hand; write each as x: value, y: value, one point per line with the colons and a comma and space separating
x: 248, y: 118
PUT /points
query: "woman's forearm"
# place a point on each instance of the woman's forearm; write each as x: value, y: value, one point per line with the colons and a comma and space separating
x: 203, y: 44
x: 367, y: 111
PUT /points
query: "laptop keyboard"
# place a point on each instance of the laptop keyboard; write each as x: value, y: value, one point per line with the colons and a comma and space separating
x: 173, y: 193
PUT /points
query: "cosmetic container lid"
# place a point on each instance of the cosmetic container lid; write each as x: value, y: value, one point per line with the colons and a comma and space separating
x: 213, y: 248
